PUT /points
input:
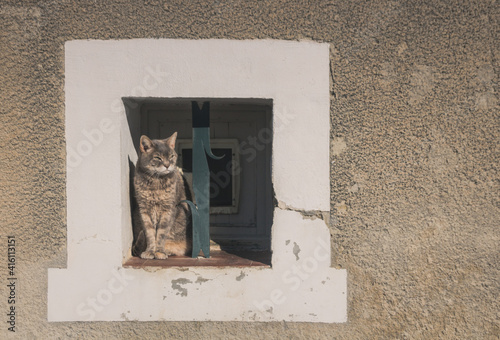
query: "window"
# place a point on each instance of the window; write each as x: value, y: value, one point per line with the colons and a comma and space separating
x: 101, y: 141
x: 241, y: 190
x: 241, y: 213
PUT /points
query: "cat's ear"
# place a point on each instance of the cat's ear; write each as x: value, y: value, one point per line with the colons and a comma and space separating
x: 170, y: 141
x: 145, y: 144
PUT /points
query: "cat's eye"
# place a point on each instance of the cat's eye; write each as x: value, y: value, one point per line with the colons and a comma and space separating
x: 157, y: 158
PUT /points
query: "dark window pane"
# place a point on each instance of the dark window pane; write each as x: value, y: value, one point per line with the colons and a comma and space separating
x: 221, y: 179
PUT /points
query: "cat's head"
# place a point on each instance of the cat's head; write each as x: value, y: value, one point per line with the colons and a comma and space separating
x: 158, y: 156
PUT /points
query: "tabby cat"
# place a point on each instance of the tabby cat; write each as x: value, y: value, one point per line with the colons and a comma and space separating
x: 159, y: 189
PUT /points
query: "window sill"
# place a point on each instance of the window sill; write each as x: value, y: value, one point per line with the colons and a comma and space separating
x: 218, y: 258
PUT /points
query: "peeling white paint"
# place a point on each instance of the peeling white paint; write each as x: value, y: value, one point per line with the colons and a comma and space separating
x: 241, y: 276
x: 296, y: 250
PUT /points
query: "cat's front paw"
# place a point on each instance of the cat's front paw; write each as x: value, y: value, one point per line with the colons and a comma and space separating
x: 160, y: 255
x: 149, y: 255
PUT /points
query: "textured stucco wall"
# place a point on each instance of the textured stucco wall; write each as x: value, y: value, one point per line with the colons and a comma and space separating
x: 414, y: 152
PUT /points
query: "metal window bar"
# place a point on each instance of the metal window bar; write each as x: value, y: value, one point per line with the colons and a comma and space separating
x: 200, y: 211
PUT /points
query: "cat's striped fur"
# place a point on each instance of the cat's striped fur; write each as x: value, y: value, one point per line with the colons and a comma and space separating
x: 159, y: 189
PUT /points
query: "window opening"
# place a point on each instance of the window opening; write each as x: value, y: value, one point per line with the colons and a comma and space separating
x: 240, y: 184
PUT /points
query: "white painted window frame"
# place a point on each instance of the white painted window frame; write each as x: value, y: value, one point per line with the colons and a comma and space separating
x: 300, y: 285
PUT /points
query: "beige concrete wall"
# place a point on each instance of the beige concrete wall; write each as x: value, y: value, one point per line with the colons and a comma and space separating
x: 414, y: 174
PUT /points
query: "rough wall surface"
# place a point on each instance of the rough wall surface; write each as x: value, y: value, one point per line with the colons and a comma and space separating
x: 414, y: 156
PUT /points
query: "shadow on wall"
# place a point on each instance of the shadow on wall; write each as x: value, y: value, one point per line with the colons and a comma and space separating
x: 133, y: 208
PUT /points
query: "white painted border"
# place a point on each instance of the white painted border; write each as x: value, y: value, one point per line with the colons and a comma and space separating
x: 301, y: 286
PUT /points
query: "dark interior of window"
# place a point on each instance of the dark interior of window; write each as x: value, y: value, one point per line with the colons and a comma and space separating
x: 242, y: 209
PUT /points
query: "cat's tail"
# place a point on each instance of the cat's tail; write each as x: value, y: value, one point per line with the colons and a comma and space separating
x: 178, y: 247
x: 139, y: 245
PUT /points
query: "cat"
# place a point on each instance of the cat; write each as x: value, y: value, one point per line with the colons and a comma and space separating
x: 165, y: 221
